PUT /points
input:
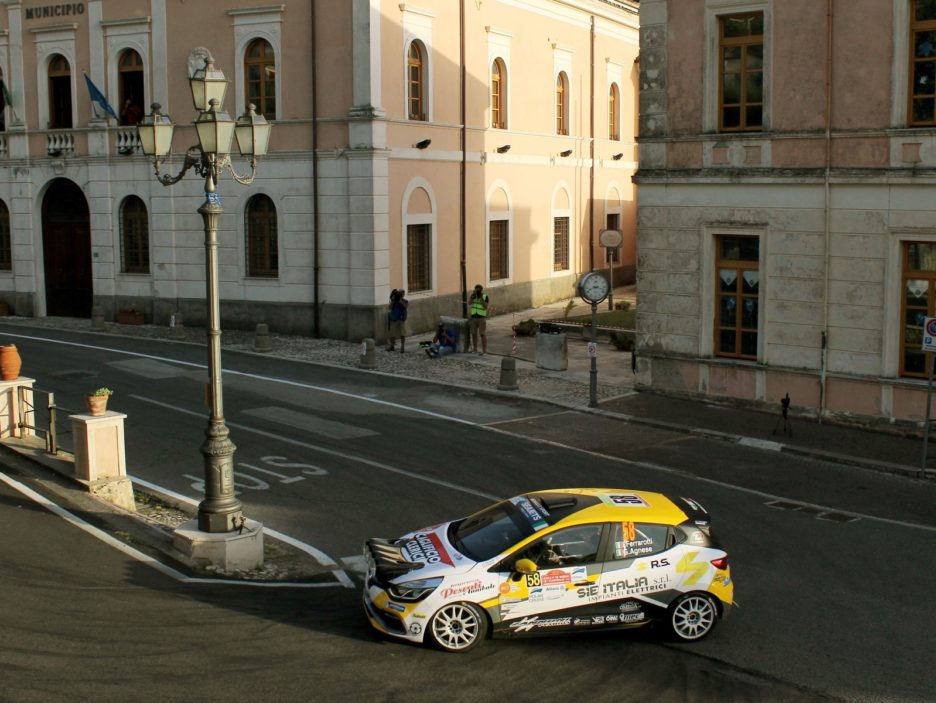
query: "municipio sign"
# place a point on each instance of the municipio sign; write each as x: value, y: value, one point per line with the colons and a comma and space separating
x: 929, y: 334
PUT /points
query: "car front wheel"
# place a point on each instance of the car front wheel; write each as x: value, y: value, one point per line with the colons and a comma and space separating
x: 457, y: 627
x: 692, y: 617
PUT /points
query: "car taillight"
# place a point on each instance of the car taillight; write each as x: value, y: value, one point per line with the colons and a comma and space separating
x: 720, y: 563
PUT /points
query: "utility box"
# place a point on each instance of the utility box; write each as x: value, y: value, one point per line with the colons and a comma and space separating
x: 462, y: 336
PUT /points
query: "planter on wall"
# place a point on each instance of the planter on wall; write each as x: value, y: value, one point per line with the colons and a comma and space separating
x: 129, y: 316
x: 10, y: 362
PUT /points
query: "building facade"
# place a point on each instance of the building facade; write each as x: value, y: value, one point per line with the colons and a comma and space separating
x: 786, y: 224
x: 427, y: 147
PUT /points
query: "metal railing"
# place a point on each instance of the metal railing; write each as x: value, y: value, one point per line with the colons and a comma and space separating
x: 44, y: 421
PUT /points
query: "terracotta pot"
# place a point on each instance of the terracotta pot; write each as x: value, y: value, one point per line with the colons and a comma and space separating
x: 97, y: 404
x: 10, y: 362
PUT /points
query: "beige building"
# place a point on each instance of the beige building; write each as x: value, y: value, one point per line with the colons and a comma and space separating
x: 426, y: 146
x: 786, y: 221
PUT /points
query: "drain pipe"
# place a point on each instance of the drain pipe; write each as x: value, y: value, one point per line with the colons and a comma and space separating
x: 591, y: 152
x: 463, y: 265
x: 316, y: 323
x: 824, y: 335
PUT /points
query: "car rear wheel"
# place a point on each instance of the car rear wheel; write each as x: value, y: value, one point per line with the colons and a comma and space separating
x: 457, y: 627
x: 692, y: 617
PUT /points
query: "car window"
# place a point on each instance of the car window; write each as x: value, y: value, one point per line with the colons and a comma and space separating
x: 568, y: 547
x: 491, y: 531
x: 635, y: 539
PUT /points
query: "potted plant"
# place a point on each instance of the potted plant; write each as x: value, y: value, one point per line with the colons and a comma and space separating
x: 97, y: 400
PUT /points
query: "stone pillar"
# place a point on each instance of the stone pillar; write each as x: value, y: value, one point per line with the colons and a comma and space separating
x: 14, y: 404
x: 100, y: 457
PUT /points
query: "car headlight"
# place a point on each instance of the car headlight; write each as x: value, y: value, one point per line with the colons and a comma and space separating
x: 413, y: 590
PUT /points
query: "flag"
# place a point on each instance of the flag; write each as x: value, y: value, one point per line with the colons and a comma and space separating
x: 98, y: 97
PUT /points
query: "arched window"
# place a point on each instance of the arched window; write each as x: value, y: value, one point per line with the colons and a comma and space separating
x: 415, y: 73
x: 262, y: 253
x: 130, y: 87
x: 614, y: 113
x: 60, y: 94
x: 134, y: 236
x: 562, y: 103
x: 260, y: 70
x: 6, y: 243
x: 498, y: 95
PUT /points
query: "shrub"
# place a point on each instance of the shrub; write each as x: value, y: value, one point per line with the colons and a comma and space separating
x: 526, y: 328
x: 622, y: 341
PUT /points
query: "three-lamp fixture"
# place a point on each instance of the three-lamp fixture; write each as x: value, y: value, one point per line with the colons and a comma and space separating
x: 216, y: 130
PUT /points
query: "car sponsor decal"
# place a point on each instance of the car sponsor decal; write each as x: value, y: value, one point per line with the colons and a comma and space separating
x: 534, y: 579
x: 578, y: 622
x: 630, y: 617
x: 579, y: 573
x: 504, y: 588
x: 612, y: 590
x: 556, y: 577
x: 623, y: 500
x: 629, y: 606
x: 467, y: 588
x: 530, y: 512
x: 536, y: 595
x: 528, y: 624
x: 396, y: 606
x: 625, y: 550
x: 599, y: 619
x: 611, y: 619
x: 427, y: 548
x: 695, y: 569
x: 415, y: 628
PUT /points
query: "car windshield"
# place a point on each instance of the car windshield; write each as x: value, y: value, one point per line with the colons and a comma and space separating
x: 491, y: 531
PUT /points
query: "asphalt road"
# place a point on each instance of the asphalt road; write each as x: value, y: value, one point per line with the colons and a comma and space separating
x: 333, y: 456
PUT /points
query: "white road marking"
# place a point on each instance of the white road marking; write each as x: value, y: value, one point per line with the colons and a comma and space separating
x: 307, y: 422
x: 282, y: 477
x: 148, y: 560
x: 764, y: 444
x: 323, y: 450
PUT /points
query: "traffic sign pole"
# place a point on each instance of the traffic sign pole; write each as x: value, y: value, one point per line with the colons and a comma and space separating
x: 929, y: 398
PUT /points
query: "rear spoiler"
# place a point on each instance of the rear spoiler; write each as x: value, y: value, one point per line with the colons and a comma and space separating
x: 693, y: 510
x: 388, y: 558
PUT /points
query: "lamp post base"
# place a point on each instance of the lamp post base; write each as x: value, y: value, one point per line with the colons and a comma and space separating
x: 241, y: 550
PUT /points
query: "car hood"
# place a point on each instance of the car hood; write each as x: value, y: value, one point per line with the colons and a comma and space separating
x: 431, y: 553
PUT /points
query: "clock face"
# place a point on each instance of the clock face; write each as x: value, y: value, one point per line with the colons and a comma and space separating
x: 594, y: 287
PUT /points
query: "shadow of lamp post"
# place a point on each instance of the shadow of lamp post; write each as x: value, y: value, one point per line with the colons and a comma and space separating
x: 220, y: 511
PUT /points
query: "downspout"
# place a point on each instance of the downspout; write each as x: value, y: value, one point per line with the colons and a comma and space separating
x: 824, y: 338
x: 463, y: 273
x: 591, y: 152
x: 316, y: 324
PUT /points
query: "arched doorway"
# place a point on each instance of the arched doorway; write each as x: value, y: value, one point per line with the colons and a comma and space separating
x: 66, y: 246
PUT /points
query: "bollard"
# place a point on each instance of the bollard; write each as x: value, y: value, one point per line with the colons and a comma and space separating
x: 97, y: 318
x: 262, y: 338
x: 176, y: 330
x: 508, y: 376
x: 368, y: 354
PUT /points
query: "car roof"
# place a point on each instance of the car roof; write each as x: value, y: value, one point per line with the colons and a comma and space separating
x: 574, y: 506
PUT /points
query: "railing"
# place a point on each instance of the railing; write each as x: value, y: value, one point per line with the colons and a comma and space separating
x: 43, y: 421
x: 60, y: 142
x: 128, y: 142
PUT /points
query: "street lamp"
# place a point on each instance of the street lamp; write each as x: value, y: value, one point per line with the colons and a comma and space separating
x: 220, y: 511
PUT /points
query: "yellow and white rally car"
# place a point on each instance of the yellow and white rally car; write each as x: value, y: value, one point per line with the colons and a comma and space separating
x: 552, y: 561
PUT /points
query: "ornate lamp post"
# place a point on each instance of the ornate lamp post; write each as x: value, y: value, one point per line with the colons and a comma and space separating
x: 220, y: 511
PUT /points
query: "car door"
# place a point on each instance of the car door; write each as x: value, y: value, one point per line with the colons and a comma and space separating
x: 568, y: 560
x: 638, y: 577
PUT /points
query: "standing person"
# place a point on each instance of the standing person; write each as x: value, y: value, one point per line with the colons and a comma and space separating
x: 397, y: 318
x: 477, y: 324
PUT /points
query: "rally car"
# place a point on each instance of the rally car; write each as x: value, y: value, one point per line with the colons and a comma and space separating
x: 552, y: 561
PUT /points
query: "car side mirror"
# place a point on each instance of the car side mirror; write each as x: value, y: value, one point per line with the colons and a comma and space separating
x: 525, y: 566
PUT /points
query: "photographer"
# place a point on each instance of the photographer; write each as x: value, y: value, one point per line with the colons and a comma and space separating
x: 397, y: 319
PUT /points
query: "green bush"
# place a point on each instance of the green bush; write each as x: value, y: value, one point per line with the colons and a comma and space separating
x: 526, y: 328
x: 622, y: 305
x: 622, y: 341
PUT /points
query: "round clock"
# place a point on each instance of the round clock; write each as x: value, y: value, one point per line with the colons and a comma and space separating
x: 593, y: 287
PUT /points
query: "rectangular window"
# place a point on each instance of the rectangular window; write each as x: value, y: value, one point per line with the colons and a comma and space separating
x: 613, y: 256
x: 917, y: 303
x: 500, y: 249
x: 923, y: 63
x: 741, y: 73
x: 418, y: 257
x: 738, y: 296
x: 560, y: 244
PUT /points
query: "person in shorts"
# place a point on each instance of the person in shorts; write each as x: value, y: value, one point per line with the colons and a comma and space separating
x: 477, y: 320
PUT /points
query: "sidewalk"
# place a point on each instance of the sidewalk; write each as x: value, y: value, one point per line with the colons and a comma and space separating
x: 570, y: 388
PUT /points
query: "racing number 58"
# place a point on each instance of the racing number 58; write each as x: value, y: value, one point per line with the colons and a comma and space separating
x: 533, y: 579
